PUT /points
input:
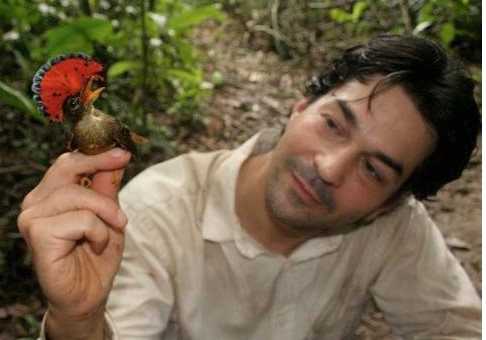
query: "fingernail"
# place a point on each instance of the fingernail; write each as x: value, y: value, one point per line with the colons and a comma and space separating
x: 117, y: 153
x: 121, y: 218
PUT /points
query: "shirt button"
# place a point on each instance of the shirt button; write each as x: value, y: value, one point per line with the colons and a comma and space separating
x: 282, y: 321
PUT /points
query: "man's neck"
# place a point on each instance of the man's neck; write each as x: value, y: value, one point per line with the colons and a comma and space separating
x: 253, y: 213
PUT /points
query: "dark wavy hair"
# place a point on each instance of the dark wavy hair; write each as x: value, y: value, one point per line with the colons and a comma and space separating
x: 438, y: 85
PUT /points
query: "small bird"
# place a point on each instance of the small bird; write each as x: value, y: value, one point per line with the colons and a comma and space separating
x: 62, y: 89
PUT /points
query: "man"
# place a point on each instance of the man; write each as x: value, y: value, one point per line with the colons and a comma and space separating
x: 286, y: 237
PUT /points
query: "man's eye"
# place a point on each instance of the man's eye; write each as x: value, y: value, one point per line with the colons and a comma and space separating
x: 371, y: 171
x: 331, y: 124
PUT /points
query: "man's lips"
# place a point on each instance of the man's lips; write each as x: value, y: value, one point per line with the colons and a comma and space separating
x: 304, y: 190
x: 312, y: 189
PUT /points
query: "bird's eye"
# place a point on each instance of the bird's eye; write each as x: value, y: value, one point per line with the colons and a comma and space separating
x: 72, y: 103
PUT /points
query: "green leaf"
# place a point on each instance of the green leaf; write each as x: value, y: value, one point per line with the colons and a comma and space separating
x: 426, y: 13
x: 64, y: 39
x: 94, y: 29
x: 121, y: 67
x: 191, y: 17
x: 77, y: 36
x: 358, y: 10
x: 20, y: 101
x: 447, y: 33
x: 185, y: 51
x: 477, y: 77
x: 340, y: 16
x: 190, y: 77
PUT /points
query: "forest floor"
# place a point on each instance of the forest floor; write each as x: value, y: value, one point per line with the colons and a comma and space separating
x: 259, y: 91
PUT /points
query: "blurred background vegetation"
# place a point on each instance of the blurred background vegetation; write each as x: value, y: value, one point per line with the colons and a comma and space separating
x: 156, y: 83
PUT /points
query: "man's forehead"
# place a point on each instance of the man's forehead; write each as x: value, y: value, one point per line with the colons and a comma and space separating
x: 355, y: 90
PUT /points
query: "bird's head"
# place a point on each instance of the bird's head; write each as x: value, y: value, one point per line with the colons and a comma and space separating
x: 75, y: 107
x: 62, y: 86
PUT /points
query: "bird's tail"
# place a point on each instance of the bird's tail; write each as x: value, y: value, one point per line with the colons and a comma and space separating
x: 137, y: 139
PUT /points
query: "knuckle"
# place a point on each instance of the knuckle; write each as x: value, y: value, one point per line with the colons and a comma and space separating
x: 69, y: 190
x: 23, y: 223
x: 28, y: 200
x: 87, y: 217
x: 64, y: 157
x: 63, y: 163
x: 87, y: 200
x: 29, y: 227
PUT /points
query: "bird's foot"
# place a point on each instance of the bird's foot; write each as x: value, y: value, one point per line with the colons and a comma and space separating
x: 117, y: 177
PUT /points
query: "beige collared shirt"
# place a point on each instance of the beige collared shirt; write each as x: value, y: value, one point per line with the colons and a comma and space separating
x: 189, y: 271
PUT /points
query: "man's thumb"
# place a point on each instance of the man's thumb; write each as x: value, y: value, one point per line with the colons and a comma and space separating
x: 107, y: 182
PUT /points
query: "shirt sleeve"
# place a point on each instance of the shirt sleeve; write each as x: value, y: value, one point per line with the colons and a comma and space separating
x: 422, y: 288
x: 142, y: 297
x: 109, y: 328
x: 162, y: 206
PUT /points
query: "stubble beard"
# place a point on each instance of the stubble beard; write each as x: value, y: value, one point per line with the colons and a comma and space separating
x: 288, y: 208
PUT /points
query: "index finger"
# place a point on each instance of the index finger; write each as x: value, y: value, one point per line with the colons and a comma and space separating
x: 70, y: 167
x: 75, y: 198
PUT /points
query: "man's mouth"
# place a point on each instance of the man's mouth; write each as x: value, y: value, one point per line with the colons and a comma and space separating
x: 310, y: 187
x: 304, y: 190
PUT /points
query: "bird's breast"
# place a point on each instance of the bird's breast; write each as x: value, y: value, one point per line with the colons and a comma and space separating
x: 92, y: 134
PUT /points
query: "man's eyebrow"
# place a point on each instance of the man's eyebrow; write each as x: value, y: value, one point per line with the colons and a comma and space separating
x: 395, y: 165
x: 347, y: 112
x: 350, y: 117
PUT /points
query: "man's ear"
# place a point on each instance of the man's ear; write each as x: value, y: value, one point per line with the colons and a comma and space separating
x: 386, y: 207
x: 299, y: 107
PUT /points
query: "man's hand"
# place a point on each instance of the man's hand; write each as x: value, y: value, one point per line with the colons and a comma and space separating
x: 76, y: 238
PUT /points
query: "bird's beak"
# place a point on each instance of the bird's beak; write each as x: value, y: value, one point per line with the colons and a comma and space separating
x: 88, y: 96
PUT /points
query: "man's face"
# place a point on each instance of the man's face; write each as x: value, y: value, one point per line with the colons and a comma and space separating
x: 341, y: 157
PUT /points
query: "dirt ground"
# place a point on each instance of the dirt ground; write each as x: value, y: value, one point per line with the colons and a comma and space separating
x: 259, y: 91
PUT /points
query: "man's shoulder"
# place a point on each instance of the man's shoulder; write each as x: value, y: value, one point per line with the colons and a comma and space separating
x: 411, y: 212
x: 177, y: 177
x: 409, y: 220
x: 394, y: 237
x: 186, y: 174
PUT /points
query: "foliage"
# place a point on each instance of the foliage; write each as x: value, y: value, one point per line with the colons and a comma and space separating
x: 339, y: 15
x: 301, y: 26
x: 20, y: 101
x: 449, y: 20
x: 154, y: 79
x: 445, y: 20
x: 148, y: 48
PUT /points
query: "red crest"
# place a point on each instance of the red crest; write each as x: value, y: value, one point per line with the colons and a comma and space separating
x: 62, y: 77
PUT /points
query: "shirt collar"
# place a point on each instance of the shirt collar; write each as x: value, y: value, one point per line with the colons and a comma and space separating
x: 219, y: 217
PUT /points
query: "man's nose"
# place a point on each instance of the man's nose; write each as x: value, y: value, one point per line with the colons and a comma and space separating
x: 334, y: 165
